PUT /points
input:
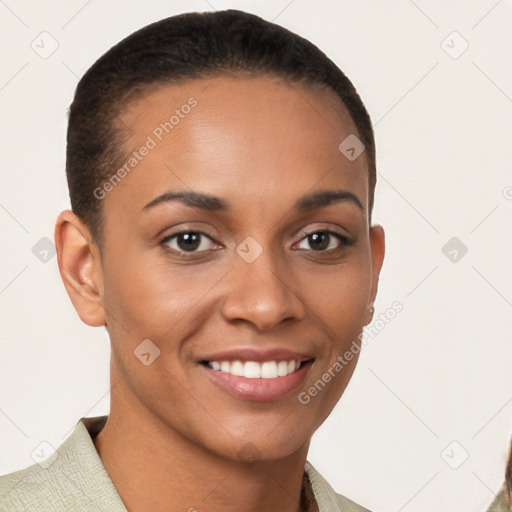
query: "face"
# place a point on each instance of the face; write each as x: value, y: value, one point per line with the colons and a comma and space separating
x: 238, y: 240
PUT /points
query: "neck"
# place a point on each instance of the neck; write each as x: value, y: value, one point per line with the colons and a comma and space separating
x: 155, y: 468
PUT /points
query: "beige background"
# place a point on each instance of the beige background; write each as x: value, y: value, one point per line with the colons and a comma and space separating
x: 434, y: 385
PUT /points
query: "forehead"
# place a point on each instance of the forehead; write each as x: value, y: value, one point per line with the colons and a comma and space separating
x: 257, y: 139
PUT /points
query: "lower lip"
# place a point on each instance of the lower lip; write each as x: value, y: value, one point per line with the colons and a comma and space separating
x: 258, y: 390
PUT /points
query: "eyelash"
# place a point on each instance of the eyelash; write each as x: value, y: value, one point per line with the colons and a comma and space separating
x: 344, y: 242
x: 342, y: 239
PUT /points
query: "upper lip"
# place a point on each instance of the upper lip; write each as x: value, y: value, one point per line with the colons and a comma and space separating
x: 252, y: 354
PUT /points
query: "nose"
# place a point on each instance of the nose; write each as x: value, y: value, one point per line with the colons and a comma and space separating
x: 261, y: 293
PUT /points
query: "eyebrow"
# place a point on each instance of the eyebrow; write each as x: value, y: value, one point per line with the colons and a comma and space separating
x: 211, y: 203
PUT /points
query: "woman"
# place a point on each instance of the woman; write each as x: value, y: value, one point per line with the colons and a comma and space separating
x: 221, y: 171
x: 503, y: 501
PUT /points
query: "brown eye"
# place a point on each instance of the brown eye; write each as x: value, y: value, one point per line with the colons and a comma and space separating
x: 324, y: 241
x: 319, y: 241
x: 188, y: 241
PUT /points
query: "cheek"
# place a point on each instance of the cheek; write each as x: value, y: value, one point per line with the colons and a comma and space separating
x: 339, y: 297
x: 339, y: 302
x: 149, y: 296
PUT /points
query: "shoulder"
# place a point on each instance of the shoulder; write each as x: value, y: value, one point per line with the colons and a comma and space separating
x: 327, y: 498
x: 72, y: 478
x: 27, y: 489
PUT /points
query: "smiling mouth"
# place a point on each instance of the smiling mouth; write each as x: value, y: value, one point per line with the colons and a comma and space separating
x: 257, y: 370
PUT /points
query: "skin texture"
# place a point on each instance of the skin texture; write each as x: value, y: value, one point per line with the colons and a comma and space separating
x: 174, y: 439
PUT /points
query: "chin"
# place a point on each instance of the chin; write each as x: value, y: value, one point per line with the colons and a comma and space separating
x: 263, y: 449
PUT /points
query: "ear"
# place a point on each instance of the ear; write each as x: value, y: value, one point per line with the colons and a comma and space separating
x: 377, y: 247
x: 80, y: 267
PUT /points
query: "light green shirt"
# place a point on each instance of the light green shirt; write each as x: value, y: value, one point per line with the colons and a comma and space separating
x: 75, y: 479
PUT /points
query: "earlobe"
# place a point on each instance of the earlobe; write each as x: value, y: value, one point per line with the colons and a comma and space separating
x: 371, y: 312
x: 80, y: 268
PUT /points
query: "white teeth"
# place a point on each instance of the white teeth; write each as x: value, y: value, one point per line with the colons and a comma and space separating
x: 237, y: 368
x: 282, y: 368
x: 255, y: 370
x: 269, y: 370
x: 252, y: 370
